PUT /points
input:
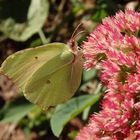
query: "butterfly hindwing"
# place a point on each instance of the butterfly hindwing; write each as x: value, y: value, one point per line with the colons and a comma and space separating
x: 55, y: 82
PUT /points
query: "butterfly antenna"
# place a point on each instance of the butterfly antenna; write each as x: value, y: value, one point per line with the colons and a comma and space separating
x: 79, y: 25
x: 81, y: 32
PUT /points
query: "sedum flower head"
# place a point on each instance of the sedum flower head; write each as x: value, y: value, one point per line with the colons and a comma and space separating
x: 114, y: 48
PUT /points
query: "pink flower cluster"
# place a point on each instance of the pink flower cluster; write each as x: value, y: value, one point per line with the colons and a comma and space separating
x: 114, y: 48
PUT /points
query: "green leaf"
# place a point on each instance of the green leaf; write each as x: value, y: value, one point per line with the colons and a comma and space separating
x: 90, y: 74
x: 12, y: 26
x: 86, y: 113
x: 15, y: 111
x: 72, y: 134
x: 65, y: 112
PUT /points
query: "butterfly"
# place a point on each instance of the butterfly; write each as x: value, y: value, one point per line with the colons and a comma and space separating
x: 47, y: 75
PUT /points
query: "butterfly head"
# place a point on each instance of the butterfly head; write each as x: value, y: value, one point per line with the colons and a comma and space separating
x: 74, y: 48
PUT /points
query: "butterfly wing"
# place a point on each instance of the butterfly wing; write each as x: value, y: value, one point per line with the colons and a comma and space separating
x: 22, y: 65
x: 76, y: 73
x: 56, y: 81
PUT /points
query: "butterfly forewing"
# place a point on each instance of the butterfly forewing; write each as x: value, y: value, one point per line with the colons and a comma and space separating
x: 23, y: 64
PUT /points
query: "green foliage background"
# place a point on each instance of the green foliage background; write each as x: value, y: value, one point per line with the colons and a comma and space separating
x: 29, y: 23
